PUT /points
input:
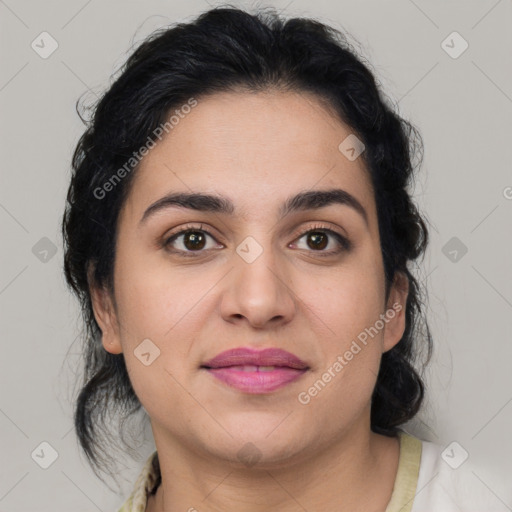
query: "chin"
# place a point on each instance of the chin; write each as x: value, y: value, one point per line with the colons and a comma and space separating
x: 267, y: 444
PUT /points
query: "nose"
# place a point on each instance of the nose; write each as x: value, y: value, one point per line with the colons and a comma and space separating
x: 258, y: 292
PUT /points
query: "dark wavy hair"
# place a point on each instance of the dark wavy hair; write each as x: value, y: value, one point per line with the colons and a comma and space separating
x: 228, y: 49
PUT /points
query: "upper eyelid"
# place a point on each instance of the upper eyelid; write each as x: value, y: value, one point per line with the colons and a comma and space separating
x: 211, y: 231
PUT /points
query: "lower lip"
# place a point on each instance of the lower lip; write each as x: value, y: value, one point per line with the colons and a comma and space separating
x: 256, y: 381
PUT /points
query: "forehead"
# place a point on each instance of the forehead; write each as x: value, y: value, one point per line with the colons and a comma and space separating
x: 257, y: 148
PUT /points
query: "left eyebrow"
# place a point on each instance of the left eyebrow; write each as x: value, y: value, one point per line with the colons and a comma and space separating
x: 308, y: 200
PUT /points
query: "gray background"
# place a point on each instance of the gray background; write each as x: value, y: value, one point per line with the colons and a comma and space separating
x: 463, y: 108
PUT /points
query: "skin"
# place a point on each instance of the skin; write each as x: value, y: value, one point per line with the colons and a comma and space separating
x: 258, y: 149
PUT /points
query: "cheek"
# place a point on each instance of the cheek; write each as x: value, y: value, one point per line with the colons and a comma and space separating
x: 343, y: 381
x: 343, y: 306
x: 154, y: 298
x: 347, y: 299
x: 166, y: 307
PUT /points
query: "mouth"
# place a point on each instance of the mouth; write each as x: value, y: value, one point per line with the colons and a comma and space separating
x: 256, y: 371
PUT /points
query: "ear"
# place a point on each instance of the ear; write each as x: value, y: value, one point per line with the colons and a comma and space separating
x: 105, y: 314
x: 395, y: 311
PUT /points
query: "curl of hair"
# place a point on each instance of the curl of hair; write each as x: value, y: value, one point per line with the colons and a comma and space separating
x: 227, y: 49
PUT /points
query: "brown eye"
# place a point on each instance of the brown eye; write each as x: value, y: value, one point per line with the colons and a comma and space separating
x: 191, y: 241
x: 324, y: 241
x: 194, y: 240
x: 318, y: 240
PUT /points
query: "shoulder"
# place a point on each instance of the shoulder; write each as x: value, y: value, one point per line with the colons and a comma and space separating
x: 448, y: 481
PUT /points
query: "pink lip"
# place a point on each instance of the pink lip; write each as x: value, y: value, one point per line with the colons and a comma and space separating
x: 288, y: 368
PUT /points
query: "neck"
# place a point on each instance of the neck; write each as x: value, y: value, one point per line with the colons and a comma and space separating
x: 357, y: 473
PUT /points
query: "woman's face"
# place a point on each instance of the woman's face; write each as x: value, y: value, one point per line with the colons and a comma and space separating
x: 251, y: 278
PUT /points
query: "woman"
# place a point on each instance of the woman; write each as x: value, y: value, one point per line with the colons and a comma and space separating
x: 239, y: 232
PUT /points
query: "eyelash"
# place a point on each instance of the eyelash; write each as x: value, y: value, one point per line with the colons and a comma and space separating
x: 344, y: 243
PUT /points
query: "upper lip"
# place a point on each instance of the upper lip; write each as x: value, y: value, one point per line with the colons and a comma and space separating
x: 247, y: 356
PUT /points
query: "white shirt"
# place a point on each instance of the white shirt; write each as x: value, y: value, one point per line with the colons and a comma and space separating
x: 445, y: 486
